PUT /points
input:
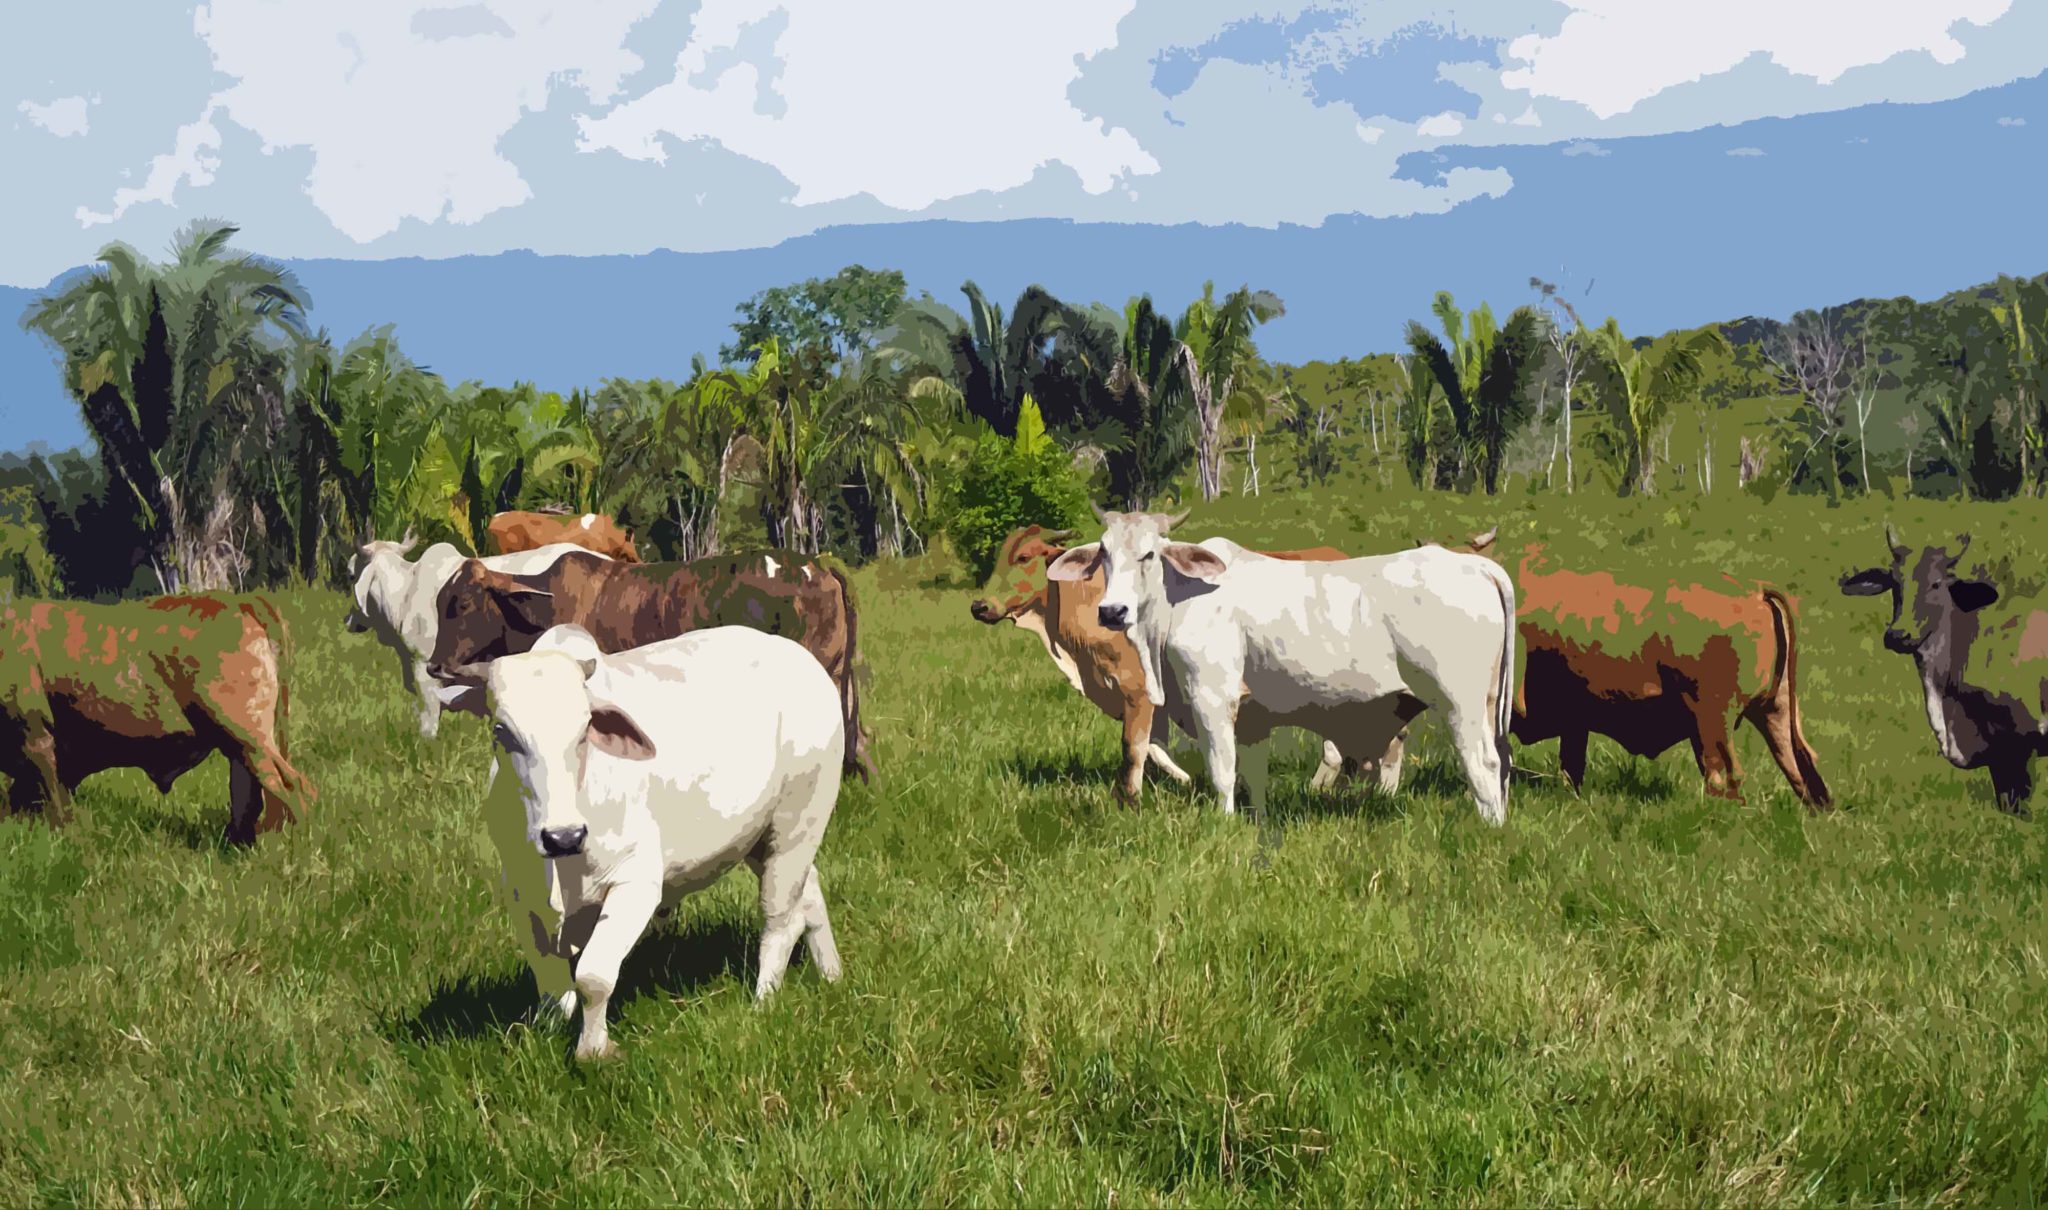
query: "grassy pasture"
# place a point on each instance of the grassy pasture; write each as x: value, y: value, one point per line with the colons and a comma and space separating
x: 1639, y: 995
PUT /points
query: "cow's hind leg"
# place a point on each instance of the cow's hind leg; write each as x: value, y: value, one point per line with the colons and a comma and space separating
x: 1482, y: 751
x: 788, y: 882
x: 627, y: 909
x: 824, y: 950
x: 33, y: 784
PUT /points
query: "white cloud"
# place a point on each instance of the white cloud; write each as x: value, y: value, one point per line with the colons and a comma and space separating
x: 63, y: 117
x: 2012, y: 121
x: 1610, y: 55
x: 1745, y: 151
x: 941, y: 99
x: 440, y: 127
x: 193, y: 159
x: 401, y: 126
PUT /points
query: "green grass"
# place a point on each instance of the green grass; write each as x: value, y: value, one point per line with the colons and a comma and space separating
x: 1638, y: 996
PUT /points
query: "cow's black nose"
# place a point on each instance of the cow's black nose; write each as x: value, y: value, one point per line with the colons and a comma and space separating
x: 563, y: 842
x: 1899, y: 641
x: 1116, y: 617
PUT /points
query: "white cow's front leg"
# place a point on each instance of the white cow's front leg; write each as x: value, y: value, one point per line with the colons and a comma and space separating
x: 627, y: 909
x: 1330, y: 770
x: 530, y: 894
x: 1216, y: 729
x: 1390, y: 764
x: 429, y: 690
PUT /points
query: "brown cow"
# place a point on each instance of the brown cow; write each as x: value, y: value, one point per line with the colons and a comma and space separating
x: 1101, y: 663
x: 514, y: 532
x: 1649, y: 667
x: 154, y: 685
x: 484, y: 614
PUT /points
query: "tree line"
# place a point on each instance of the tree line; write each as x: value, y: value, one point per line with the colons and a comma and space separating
x: 235, y: 444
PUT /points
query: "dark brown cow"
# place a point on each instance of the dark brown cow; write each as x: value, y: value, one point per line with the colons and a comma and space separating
x: 484, y: 614
x: 154, y: 685
x: 1983, y: 671
x: 1649, y: 668
x: 514, y: 532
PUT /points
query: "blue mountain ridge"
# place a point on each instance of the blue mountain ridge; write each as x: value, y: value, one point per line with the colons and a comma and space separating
x: 1662, y: 232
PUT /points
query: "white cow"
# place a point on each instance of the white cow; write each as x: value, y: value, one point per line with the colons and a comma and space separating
x: 395, y: 599
x: 622, y: 782
x: 1350, y: 650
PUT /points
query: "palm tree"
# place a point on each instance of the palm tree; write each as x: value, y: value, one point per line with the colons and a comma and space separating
x: 1219, y: 337
x: 1482, y: 369
x: 387, y: 415
x: 181, y: 369
x: 1647, y: 382
x: 1150, y: 395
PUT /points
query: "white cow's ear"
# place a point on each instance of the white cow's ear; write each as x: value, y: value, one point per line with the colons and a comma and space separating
x: 1194, y: 562
x: 1078, y: 563
x: 613, y: 733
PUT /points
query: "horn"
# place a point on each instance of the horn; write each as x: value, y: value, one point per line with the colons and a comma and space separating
x: 1963, y: 544
x: 1178, y: 517
x: 1060, y: 535
x: 1101, y: 516
x: 1892, y: 540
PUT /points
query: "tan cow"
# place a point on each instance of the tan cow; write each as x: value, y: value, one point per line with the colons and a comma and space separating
x: 156, y: 685
x: 516, y: 531
x: 1651, y: 665
x: 1102, y: 665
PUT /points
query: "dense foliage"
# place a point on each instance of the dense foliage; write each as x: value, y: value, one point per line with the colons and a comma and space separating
x: 236, y: 445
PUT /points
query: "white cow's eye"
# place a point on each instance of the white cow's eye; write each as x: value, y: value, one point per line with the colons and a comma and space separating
x: 502, y: 734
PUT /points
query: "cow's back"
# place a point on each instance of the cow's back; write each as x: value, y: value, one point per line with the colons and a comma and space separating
x: 1627, y: 641
x: 726, y: 754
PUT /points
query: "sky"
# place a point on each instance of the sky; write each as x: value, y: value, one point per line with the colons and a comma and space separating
x: 387, y: 129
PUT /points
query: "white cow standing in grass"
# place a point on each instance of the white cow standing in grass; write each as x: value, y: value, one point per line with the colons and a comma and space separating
x: 1351, y: 650
x: 394, y: 599
x: 622, y: 782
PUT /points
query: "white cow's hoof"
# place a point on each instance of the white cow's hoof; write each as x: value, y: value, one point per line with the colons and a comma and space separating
x: 599, y: 1054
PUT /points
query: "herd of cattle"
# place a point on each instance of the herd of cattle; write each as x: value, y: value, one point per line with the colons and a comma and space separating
x: 656, y: 724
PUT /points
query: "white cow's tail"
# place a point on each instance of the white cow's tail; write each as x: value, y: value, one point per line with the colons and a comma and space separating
x: 1504, y: 707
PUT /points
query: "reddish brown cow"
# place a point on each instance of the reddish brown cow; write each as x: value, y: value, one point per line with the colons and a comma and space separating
x: 514, y: 532
x: 484, y: 614
x: 1101, y: 663
x: 154, y: 685
x: 1649, y: 668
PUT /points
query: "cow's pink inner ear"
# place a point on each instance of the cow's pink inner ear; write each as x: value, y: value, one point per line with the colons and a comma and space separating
x: 613, y: 733
x: 1077, y: 564
x: 1193, y: 561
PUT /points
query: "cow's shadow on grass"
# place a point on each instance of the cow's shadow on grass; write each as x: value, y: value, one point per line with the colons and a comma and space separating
x: 668, y: 961
x: 1073, y: 768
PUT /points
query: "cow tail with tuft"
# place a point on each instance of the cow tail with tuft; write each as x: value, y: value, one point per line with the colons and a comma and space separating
x: 1785, y: 689
x: 268, y: 616
x: 857, y: 759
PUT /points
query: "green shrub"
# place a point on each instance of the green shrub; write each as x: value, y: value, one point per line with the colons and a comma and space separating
x: 26, y: 568
x: 1026, y: 481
